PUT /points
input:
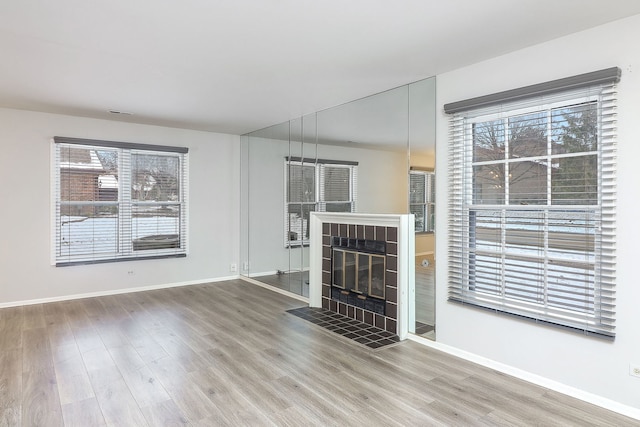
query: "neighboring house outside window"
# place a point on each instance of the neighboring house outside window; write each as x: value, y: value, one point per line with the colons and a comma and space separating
x: 316, y: 185
x: 532, y: 212
x: 117, y: 201
x: 422, y: 199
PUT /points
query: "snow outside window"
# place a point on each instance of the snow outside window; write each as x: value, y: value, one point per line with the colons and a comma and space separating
x: 117, y: 201
x: 532, y: 212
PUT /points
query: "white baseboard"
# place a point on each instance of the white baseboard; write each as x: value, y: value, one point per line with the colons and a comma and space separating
x: 151, y: 288
x: 114, y: 292
x: 263, y: 273
x: 274, y: 272
x: 274, y: 289
x: 594, y: 399
x: 424, y: 253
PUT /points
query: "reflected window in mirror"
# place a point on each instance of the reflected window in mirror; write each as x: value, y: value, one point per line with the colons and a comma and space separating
x: 315, y: 185
x: 422, y: 199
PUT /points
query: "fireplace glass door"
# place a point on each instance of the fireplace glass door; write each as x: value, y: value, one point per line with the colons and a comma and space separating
x: 359, y: 272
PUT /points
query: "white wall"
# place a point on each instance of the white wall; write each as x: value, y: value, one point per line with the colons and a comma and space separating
x: 589, y: 364
x: 26, y: 272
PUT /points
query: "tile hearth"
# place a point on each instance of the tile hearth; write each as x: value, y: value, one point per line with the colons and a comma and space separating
x: 360, y: 332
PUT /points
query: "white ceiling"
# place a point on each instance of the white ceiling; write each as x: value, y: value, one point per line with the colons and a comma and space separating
x: 235, y: 66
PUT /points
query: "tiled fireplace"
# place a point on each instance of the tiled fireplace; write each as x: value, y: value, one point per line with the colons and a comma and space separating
x: 360, y: 267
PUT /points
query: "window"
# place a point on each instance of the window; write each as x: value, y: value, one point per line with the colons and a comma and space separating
x: 316, y: 185
x: 532, y: 212
x: 118, y: 201
x: 422, y: 199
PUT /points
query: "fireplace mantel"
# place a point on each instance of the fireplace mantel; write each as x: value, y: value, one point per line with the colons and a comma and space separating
x: 348, y: 224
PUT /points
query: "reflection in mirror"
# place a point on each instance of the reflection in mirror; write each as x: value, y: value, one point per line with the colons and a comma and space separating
x: 349, y: 158
x: 268, y: 259
x: 300, y: 199
x: 371, y: 132
x: 244, y: 205
x: 422, y: 200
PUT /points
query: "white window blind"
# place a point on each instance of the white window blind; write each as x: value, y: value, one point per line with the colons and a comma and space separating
x: 422, y: 199
x: 316, y: 185
x: 532, y: 207
x: 118, y: 201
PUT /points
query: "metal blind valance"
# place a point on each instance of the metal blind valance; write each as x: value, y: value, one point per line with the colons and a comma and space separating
x: 608, y: 75
x: 532, y: 203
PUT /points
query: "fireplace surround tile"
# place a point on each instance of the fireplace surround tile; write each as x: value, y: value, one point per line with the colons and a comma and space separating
x: 326, y: 291
x: 379, y: 321
x: 368, y: 317
x: 326, y: 278
x: 326, y: 228
x: 326, y: 252
x: 391, y: 325
x: 392, y: 248
x: 392, y: 234
x: 369, y: 232
x: 353, y: 231
x: 391, y: 310
x: 392, y: 262
x: 356, y: 331
x: 392, y: 293
x: 392, y: 278
x: 342, y: 228
x: 342, y: 308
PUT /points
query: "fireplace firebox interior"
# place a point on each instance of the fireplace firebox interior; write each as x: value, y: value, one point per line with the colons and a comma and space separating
x: 358, y: 269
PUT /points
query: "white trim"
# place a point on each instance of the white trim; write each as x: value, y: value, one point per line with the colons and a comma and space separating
x: 596, y: 311
x: 53, y: 191
x: 115, y: 292
x: 123, y: 231
x: 315, y: 261
x: 274, y: 289
x: 594, y: 399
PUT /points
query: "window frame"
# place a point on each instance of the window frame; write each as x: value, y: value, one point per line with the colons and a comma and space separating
x: 462, y: 286
x: 319, y: 204
x: 428, y: 206
x: 126, y: 246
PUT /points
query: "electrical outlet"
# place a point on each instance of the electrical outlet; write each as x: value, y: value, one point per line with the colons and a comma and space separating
x: 233, y: 267
x: 245, y: 266
x: 130, y: 272
x: 634, y: 370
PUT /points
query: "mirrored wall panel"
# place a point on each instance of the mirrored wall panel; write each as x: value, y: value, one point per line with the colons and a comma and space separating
x: 355, y: 157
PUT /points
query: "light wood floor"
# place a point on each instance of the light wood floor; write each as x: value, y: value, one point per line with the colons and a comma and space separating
x: 425, y: 294
x: 228, y: 354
